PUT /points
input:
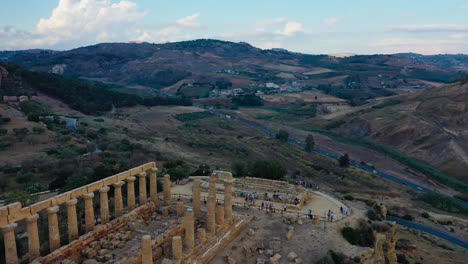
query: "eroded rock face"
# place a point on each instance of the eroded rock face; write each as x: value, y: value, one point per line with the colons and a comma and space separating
x: 385, y: 241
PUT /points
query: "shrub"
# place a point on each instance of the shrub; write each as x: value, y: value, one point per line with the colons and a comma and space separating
x: 408, y: 217
x: 349, y: 197
x: 38, y: 130
x: 282, y: 135
x: 268, y: 170
x: 3, y: 131
x: 425, y: 215
x: 350, y: 235
x: 444, y: 203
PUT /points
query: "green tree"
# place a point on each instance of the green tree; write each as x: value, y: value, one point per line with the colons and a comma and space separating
x: 202, y: 170
x: 282, y: 135
x: 20, y: 133
x: 268, y: 169
x: 3, y: 131
x: 310, y: 143
x: 239, y: 169
x: 178, y: 169
x: 25, y: 178
x: 23, y: 197
x: 344, y: 160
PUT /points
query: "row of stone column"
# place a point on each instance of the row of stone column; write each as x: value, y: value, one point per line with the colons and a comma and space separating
x: 216, y: 215
x: 73, y: 233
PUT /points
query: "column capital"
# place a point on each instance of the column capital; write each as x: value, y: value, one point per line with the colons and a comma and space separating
x: 104, y: 189
x: 9, y: 227
x: 52, y: 210
x: 88, y: 196
x: 71, y: 202
x: 118, y: 184
x: 33, y: 218
x: 142, y: 174
x: 154, y: 169
x: 131, y: 179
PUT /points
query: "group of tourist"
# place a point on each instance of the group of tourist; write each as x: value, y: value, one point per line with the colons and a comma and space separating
x: 269, y: 206
x: 344, y: 210
x: 307, y: 184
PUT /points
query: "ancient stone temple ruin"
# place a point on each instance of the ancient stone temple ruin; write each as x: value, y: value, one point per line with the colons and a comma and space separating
x: 97, y: 222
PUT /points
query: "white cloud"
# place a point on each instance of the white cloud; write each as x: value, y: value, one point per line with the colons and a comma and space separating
x: 431, y: 28
x: 420, y: 45
x: 291, y: 28
x: 457, y: 36
x: 265, y: 25
x: 176, y: 31
x: 330, y: 21
x: 189, y: 21
x: 464, y: 6
x: 78, y: 22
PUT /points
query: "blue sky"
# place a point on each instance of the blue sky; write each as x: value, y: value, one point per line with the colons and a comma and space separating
x: 325, y: 27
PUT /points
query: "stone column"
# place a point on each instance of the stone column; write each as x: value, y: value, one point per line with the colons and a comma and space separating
x: 9, y: 239
x: 213, y: 180
x: 142, y: 197
x: 104, y: 204
x: 72, y: 219
x: 54, y: 234
x: 220, y: 215
x: 33, y: 237
x: 146, y: 250
x: 196, y: 196
x: 131, y: 193
x: 154, y: 186
x: 118, y: 200
x: 89, y: 211
x: 167, y: 190
x: 211, y: 221
x: 180, y: 209
x: 228, y: 199
x: 177, y: 248
x: 201, y: 234
x: 189, y: 230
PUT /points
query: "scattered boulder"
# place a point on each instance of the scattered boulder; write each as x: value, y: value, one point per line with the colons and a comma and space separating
x: 67, y: 261
x: 230, y: 260
x: 270, y: 252
x: 251, y: 232
x: 166, y: 261
x: 261, y: 261
x: 275, y: 244
x: 292, y: 256
x: 275, y: 259
x: 91, y: 261
x: 298, y: 261
x: 299, y: 221
x: 290, y: 234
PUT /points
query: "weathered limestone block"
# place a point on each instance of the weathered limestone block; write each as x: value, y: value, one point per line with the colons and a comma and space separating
x: 72, y: 219
x: 143, y: 198
x: 89, y: 211
x: 118, y: 200
x: 180, y: 209
x: 33, y: 237
x: 11, y: 256
x: 54, y: 234
x: 104, y: 199
x: 201, y: 234
x: 220, y: 215
x: 211, y: 218
x: 177, y: 248
x: 131, y: 193
x: 146, y: 250
x: 228, y: 200
x: 196, y: 196
x: 154, y: 186
x: 189, y: 225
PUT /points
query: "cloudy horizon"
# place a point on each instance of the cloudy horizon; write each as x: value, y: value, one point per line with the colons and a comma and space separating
x: 361, y: 27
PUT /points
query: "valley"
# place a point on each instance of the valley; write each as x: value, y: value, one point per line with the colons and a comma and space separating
x: 204, y: 105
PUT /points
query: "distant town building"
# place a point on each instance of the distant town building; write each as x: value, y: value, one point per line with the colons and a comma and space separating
x: 272, y: 85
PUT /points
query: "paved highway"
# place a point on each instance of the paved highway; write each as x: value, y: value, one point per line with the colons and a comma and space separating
x: 332, y: 156
x: 429, y: 230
